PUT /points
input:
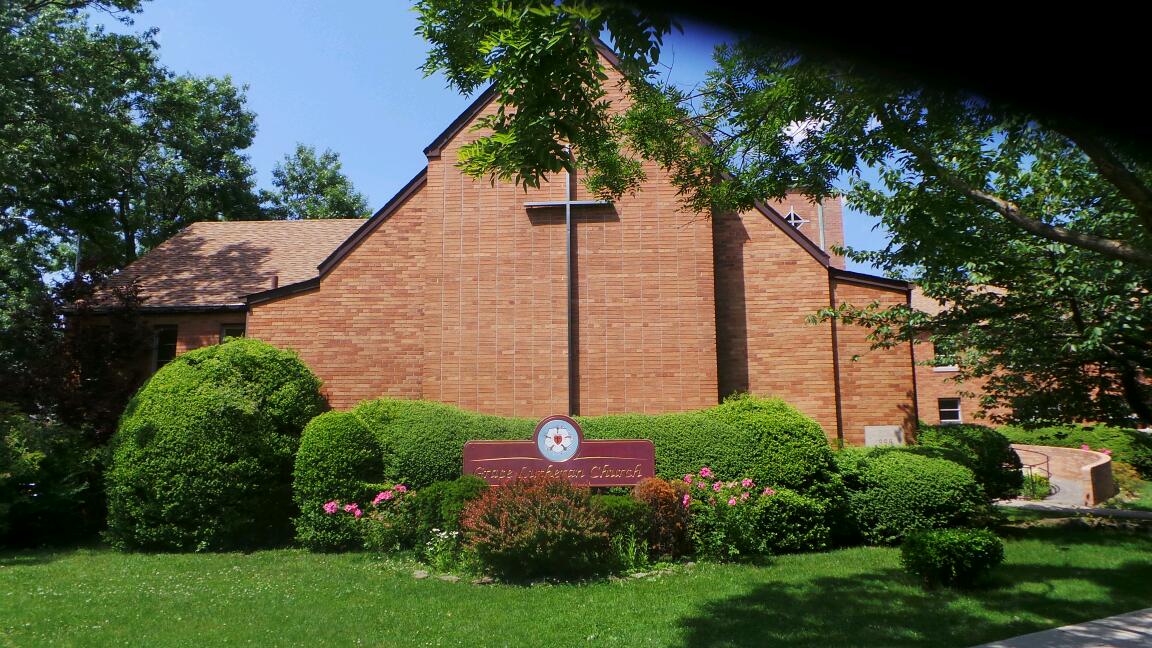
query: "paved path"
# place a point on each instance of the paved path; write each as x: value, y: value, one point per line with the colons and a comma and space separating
x: 1075, y: 510
x: 1131, y: 630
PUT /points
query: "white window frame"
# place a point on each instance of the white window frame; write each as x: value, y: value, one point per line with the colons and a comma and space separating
x: 940, y: 410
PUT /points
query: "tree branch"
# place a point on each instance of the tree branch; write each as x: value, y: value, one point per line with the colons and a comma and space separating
x: 1111, y: 248
x: 1113, y: 170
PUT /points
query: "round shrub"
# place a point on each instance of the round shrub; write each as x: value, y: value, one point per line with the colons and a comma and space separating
x: 668, y: 518
x: 780, y: 446
x: 537, y: 528
x: 959, y: 557
x: 986, y: 452
x: 203, y: 456
x: 422, y: 442
x: 788, y: 522
x: 898, y: 492
x: 338, y: 459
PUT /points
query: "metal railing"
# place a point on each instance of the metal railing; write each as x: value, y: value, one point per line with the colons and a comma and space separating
x: 1033, y: 463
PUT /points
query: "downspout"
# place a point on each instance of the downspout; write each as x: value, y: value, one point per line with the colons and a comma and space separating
x: 820, y: 223
x: 836, y: 366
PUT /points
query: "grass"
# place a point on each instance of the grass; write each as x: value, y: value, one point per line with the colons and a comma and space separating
x: 1140, y: 501
x: 853, y: 597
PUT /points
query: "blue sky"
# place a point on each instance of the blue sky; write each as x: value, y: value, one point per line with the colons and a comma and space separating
x: 346, y: 76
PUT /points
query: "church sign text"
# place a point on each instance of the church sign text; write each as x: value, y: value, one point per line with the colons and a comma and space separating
x: 558, y: 449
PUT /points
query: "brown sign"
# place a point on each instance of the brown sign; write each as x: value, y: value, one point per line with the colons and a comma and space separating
x: 558, y: 449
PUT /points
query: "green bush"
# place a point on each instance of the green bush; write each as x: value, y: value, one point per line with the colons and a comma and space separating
x: 439, y: 506
x: 766, y: 440
x: 422, y: 442
x: 339, y: 459
x: 1127, y: 445
x: 535, y: 528
x: 896, y: 492
x: 788, y: 522
x: 959, y: 557
x: 626, y: 515
x: 50, y: 487
x: 986, y: 452
x: 203, y: 456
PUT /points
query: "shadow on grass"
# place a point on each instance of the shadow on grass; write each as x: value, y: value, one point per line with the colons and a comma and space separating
x: 887, y: 608
x: 28, y: 557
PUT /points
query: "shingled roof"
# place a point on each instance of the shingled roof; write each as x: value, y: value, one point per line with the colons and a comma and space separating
x: 212, y: 265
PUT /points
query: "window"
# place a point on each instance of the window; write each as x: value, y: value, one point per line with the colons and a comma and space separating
x: 163, y: 345
x: 944, y: 355
x: 949, y: 410
x: 231, y: 331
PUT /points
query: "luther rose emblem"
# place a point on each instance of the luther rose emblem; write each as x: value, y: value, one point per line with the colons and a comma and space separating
x: 558, y: 438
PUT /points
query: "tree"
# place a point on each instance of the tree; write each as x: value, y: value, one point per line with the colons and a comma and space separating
x: 311, y: 186
x: 99, y: 144
x: 1036, y: 231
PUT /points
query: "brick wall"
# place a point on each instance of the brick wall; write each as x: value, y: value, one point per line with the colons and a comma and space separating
x: 830, y: 213
x: 766, y: 286
x: 875, y: 385
x: 361, y: 331
x: 934, y: 383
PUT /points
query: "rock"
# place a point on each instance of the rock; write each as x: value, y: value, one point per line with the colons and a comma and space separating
x: 419, y: 574
x: 483, y: 580
x: 639, y: 574
x: 449, y: 578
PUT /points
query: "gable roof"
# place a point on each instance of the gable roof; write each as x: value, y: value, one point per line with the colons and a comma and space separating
x: 215, y: 265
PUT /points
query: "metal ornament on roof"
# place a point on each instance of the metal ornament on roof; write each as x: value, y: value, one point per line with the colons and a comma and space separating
x: 794, y: 219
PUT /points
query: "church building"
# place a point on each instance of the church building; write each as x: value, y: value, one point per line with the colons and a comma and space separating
x: 538, y: 302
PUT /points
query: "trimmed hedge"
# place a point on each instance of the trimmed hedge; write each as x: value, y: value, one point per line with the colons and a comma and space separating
x: 894, y: 491
x: 419, y: 442
x: 1127, y: 445
x: 984, y: 451
x: 959, y: 557
x: 203, y: 456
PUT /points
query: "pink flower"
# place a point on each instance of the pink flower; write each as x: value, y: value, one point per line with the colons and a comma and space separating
x: 717, y: 486
x: 386, y: 495
x: 379, y: 498
x: 701, y: 484
x: 732, y: 501
x: 1105, y: 451
x: 744, y: 495
x: 747, y: 483
x: 1085, y: 447
x: 768, y: 491
x: 351, y: 506
x: 357, y: 512
x: 706, y: 472
x: 400, y: 488
x: 688, y: 478
x: 331, y: 507
x: 687, y: 500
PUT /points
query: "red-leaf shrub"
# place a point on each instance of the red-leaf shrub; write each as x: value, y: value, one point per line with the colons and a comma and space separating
x: 539, y: 527
x: 668, y: 527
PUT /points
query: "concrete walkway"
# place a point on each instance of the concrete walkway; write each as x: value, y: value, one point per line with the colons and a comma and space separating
x: 1057, y: 507
x: 1131, y: 630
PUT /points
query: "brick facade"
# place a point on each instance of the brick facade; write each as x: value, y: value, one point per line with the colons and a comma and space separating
x: 456, y: 291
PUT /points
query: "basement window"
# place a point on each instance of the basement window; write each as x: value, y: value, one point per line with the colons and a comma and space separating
x: 231, y: 331
x: 949, y: 409
x: 163, y: 345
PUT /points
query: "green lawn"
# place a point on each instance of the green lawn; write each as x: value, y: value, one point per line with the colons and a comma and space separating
x: 96, y: 597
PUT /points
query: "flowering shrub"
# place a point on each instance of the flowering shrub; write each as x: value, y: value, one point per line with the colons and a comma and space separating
x: 532, y: 528
x: 667, y: 529
x: 384, y: 525
x: 442, y: 550
x: 723, y: 524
